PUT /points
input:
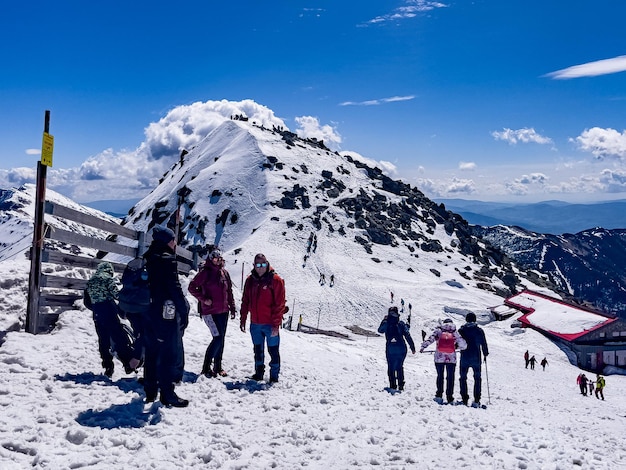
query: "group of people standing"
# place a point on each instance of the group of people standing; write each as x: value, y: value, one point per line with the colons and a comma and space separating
x: 469, y: 339
x: 263, y: 298
x: 167, y: 316
x: 585, y: 383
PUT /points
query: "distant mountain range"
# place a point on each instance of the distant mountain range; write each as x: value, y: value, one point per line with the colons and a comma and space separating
x: 550, y: 217
x: 588, y: 265
x: 116, y: 207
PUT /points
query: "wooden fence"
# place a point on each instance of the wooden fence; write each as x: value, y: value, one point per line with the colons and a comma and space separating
x: 48, y: 294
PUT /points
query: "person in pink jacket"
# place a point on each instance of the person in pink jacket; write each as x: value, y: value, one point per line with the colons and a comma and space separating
x: 214, y: 290
x: 448, y: 340
x: 264, y: 299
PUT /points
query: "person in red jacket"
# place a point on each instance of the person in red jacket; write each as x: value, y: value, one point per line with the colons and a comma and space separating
x: 214, y: 290
x: 264, y: 299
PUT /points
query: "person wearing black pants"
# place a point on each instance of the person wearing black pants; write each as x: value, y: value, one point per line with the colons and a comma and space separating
x: 169, y: 315
x: 100, y: 295
x: 448, y: 340
x: 474, y: 336
x: 213, y: 288
x: 397, y: 335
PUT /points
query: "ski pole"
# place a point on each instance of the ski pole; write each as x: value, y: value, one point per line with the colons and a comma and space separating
x: 487, y: 377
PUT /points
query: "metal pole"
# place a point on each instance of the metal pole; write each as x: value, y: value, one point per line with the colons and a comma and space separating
x: 487, y: 377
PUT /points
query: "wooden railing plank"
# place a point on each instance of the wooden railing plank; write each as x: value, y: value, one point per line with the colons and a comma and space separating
x: 90, y: 220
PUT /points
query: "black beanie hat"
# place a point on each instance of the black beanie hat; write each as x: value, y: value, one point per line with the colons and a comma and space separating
x: 163, y: 234
x: 470, y: 317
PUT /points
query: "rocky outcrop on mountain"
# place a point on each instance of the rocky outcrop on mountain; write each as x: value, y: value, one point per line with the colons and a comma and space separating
x: 588, y: 265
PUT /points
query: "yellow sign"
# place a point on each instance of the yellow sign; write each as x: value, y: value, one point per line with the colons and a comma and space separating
x: 46, y: 149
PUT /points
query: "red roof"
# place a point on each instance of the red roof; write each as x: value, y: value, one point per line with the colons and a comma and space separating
x: 558, y: 318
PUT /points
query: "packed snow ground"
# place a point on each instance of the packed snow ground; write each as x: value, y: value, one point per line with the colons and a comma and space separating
x: 329, y: 410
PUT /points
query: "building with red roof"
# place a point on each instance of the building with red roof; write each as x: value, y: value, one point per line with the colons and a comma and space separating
x: 597, y: 339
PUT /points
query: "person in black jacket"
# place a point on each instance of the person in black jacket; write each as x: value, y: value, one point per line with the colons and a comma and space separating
x: 471, y: 357
x: 396, y: 332
x: 169, y: 315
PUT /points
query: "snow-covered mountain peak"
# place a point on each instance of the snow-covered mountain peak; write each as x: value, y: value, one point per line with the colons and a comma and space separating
x: 252, y: 189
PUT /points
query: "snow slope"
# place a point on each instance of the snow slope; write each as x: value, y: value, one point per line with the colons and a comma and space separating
x: 329, y: 410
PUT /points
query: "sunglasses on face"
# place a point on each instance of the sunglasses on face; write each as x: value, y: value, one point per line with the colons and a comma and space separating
x: 260, y: 265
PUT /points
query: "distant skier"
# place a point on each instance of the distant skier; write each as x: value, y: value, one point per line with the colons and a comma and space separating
x: 532, y: 361
x: 447, y: 339
x: 544, y: 363
x: 332, y: 280
x: 391, y: 293
x: 590, y: 385
x: 397, y: 335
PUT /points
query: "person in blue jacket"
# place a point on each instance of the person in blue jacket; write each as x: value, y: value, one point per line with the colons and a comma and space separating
x: 471, y: 357
x: 397, y: 335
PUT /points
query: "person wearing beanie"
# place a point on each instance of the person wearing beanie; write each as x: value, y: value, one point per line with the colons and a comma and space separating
x: 102, y: 292
x: 397, y: 335
x: 448, y: 340
x: 169, y: 315
x: 264, y: 298
x: 474, y: 336
x: 213, y: 288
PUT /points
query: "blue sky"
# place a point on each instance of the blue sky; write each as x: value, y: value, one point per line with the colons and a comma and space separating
x: 490, y: 100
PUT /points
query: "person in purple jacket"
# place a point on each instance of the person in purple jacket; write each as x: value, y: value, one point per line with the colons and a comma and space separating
x: 214, y: 290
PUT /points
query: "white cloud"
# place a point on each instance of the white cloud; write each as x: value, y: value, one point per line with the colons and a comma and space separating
x: 393, y: 99
x: 533, y: 178
x: 602, y: 142
x: 446, y: 187
x: 409, y: 10
x: 33, y: 151
x: 19, y: 176
x: 591, y: 69
x: 467, y: 166
x: 130, y: 174
x: 613, y: 181
x: 310, y: 128
x: 184, y: 126
x: 525, y: 135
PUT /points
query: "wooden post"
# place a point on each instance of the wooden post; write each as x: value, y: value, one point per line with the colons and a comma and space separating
x: 32, y: 310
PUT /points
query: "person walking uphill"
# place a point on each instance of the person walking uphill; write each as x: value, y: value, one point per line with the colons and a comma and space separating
x: 474, y: 336
x: 397, y: 335
x: 447, y: 339
x: 264, y: 299
x: 169, y: 316
x: 213, y: 288
x: 101, y: 293
x: 600, y: 384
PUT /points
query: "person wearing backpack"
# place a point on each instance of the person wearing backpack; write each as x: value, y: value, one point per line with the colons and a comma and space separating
x: 448, y: 340
x: 397, y: 335
x: 474, y: 336
x: 100, y: 295
x: 264, y: 298
x: 213, y: 288
x: 168, y: 317
x: 134, y: 301
x: 600, y: 384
